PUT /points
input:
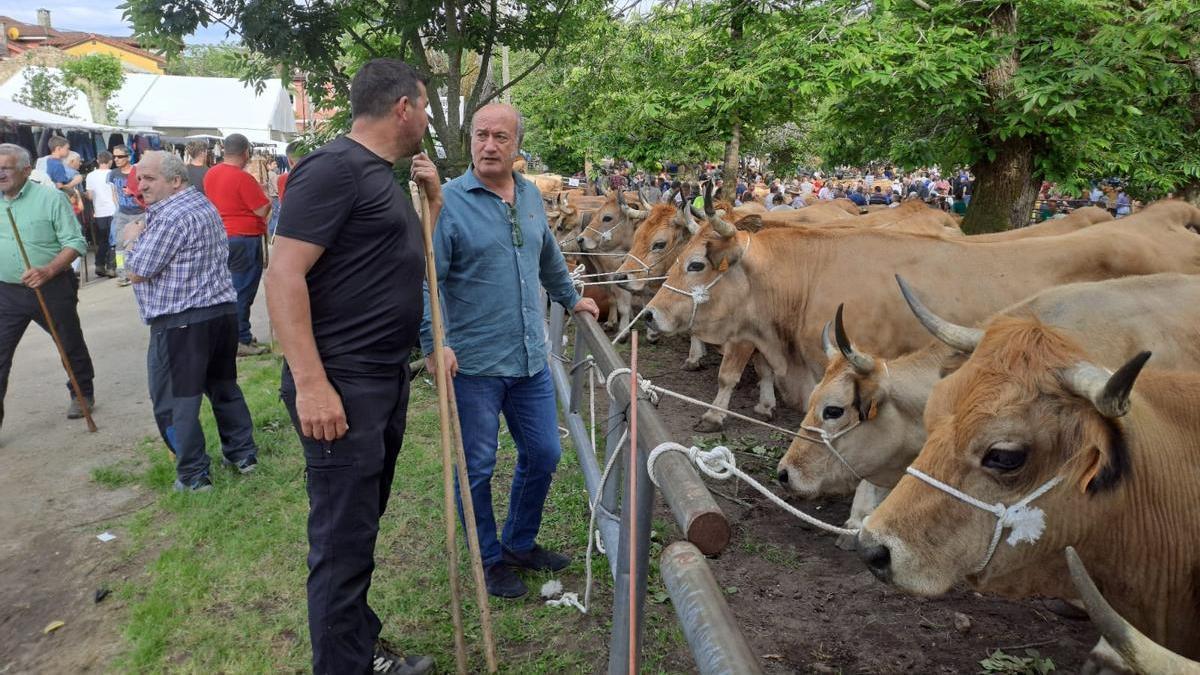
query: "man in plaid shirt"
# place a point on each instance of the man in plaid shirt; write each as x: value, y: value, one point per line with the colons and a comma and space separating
x: 178, y: 262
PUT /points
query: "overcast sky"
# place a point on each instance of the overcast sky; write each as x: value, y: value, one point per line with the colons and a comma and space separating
x: 94, y: 17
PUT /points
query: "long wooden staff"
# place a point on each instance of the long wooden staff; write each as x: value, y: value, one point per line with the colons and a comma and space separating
x: 448, y: 414
x: 62, y: 353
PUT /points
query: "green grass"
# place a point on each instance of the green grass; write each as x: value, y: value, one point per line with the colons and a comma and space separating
x: 223, y: 588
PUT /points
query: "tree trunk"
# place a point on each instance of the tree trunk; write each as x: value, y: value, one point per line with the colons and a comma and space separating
x: 729, y: 168
x: 97, y: 104
x: 1004, y: 185
x: 1004, y: 189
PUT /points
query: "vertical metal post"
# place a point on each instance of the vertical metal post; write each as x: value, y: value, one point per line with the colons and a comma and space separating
x: 638, y: 506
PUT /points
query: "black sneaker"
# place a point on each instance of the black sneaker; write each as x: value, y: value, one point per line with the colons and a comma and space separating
x: 502, y: 582
x: 74, y: 411
x: 536, y: 558
x: 201, y: 484
x: 387, y: 660
x: 246, y: 465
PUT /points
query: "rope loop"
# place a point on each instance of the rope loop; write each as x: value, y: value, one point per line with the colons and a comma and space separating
x: 720, y: 464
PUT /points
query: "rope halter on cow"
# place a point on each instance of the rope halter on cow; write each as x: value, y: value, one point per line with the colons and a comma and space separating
x: 699, y: 292
x: 1026, y: 522
x: 828, y: 438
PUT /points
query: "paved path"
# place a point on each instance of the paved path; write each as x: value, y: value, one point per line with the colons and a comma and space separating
x: 50, y: 559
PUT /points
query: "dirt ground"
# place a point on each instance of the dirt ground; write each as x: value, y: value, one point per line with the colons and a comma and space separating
x: 807, y: 606
x: 51, y: 562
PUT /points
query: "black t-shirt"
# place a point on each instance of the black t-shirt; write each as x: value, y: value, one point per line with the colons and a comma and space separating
x: 365, y: 289
x: 196, y: 176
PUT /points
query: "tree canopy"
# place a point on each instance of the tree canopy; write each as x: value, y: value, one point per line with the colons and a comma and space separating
x: 98, y: 76
x: 457, y: 42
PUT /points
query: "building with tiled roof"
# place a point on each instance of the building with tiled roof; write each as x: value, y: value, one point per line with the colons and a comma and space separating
x: 18, y: 38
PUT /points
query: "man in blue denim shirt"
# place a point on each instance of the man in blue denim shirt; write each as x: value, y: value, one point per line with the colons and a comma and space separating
x: 493, y: 250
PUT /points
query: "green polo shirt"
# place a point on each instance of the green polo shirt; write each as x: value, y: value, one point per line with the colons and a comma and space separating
x: 47, y: 226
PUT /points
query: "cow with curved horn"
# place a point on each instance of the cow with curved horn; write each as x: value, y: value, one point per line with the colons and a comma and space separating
x: 1033, y: 446
x: 1105, y: 317
x: 1136, y: 651
x: 776, y: 287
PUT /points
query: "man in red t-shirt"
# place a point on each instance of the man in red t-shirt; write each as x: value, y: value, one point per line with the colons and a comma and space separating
x: 244, y: 209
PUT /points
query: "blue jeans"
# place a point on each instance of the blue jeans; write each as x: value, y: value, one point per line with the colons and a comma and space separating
x: 531, y: 412
x: 246, y: 267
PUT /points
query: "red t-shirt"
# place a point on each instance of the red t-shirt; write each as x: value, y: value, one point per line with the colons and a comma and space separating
x: 280, y: 184
x: 236, y: 195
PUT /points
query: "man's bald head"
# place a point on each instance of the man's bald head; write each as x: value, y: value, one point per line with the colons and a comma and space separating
x: 500, y: 114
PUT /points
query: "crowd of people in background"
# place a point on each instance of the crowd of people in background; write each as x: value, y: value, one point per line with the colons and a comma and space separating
x: 869, y: 186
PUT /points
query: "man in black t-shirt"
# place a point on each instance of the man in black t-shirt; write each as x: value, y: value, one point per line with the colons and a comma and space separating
x: 344, y: 293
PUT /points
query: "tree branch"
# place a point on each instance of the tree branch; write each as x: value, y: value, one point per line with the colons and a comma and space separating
x: 484, y: 61
x: 923, y: 5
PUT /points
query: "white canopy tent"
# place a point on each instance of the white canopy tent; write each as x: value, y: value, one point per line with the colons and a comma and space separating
x: 186, y: 106
x: 19, y: 112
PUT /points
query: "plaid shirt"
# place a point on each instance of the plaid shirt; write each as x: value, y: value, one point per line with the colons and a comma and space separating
x: 183, y: 255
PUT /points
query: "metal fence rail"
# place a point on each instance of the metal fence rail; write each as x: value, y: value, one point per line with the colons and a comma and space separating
x: 717, y: 644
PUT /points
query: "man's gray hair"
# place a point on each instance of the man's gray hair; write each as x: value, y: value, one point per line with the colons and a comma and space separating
x: 14, y: 150
x: 169, y: 164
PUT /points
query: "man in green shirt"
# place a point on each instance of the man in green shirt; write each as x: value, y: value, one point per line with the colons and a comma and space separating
x: 52, y: 239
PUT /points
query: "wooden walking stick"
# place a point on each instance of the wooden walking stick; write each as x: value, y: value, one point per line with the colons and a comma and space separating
x: 448, y: 416
x: 62, y: 353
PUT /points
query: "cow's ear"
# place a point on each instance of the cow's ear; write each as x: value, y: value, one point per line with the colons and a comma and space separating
x: 1103, y: 459
x: 723, y: 253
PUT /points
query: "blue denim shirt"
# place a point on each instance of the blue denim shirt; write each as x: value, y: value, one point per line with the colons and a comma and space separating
x: 489, y: 286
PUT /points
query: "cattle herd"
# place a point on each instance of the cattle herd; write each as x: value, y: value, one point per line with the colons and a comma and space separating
x: 1010, y: 410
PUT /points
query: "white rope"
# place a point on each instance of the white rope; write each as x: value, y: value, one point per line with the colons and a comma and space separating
x: 598, y: 253
x: 828, y: 439
x: 632, y: 323
x: 1027, y: 523
x: 653, y: 392
x: 719, y: 463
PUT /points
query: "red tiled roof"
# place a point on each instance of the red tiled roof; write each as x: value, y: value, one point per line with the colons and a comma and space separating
x: 28, y: 30
x: 68, y: 40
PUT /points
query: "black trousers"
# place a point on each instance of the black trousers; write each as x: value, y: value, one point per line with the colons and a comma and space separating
x: 348, y: 484
x: 19, y: 306
x: 193, y: 354
x: 103, y: 248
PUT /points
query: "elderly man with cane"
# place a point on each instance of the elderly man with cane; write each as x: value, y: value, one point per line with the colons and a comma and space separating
x: 178, y: 263
x: 38, y: 242
x: 344, y: 292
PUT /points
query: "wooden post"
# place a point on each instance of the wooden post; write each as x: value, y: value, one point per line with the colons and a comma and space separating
x: 448, y: 416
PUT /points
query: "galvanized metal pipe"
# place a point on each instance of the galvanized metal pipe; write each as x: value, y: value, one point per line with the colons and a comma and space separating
x: 696, y: 512
x: 708, y: 624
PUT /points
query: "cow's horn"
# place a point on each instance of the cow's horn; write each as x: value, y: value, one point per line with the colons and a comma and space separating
x: 629, y: 211
x: 959, y: 337
x: 861, y: 362
x: 649, y: 196
x: 719, y: 225
x: 686, y: 218
x: 1108, y: 392
x: 599, y: 188
x: 827, y: 345
x: 1141, y: 653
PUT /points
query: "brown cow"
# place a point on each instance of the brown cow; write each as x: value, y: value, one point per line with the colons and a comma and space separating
x: 1032, y: 437
x: 1079, y: 219
x: 1107, y: 317
x: 777, y: 288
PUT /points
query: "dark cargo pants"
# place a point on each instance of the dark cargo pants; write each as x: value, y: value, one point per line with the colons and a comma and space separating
x: 348, y: 484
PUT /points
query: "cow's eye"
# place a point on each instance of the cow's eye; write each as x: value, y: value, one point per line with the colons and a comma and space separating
x: 1005, y: 457
x: 832, y: 412
x: 606, y: 218
x: 658, y: 246
x: 696, y: 266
